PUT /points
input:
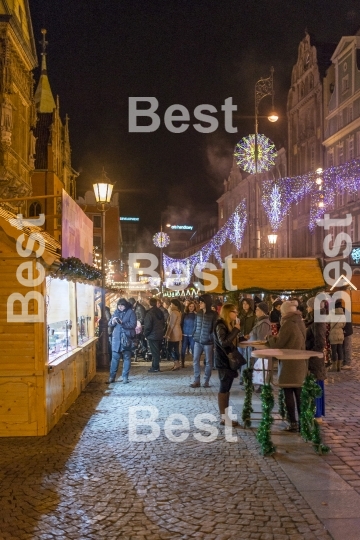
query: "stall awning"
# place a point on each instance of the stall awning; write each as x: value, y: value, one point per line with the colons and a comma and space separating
x: 268, y: 275
x: 13, y: 229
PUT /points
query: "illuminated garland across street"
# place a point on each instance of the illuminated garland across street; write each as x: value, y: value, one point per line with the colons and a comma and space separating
x: 233, y: 230
x: 279, y: 195
x: 245, y: 154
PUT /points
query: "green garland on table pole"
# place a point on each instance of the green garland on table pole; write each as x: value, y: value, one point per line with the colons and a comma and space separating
x: 282, y: 405
x: 310, y: 430
x: 264, y: 432
x: 247, y: 407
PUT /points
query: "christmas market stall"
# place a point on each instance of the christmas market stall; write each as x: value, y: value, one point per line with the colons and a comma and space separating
x: 277, y: 276
x: 46, y: 328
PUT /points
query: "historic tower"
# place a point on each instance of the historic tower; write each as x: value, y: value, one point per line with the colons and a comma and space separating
x: 17, y: 111
x: 53, y: 171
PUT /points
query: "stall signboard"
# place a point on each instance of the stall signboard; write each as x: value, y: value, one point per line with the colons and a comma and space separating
x: 77, y: 231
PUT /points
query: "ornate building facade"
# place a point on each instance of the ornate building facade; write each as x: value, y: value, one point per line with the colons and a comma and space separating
x: 52, y: 164
x: 17, y: 110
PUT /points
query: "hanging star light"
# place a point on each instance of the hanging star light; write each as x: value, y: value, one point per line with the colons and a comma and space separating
x: 161, y: 239
x: 245, y: 154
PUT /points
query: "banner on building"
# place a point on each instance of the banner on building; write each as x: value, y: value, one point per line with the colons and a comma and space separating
x: 77, y: 231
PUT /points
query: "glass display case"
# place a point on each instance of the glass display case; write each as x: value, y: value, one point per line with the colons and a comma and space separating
x: 85, y: 312
x: 61, y: 315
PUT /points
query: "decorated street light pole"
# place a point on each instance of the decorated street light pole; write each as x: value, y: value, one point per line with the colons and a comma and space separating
x: 103, y: 191
x: 161, y: 240
x: 263, y: 88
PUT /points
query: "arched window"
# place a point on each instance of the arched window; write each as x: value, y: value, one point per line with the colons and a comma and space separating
x: 34, y: 209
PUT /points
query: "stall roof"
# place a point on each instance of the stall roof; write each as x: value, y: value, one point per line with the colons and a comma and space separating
x: 13, y: 229
x: 270, y: 275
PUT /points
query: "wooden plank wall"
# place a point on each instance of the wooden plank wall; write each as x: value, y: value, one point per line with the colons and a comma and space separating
x: 32, y: 397
x: 22, y: 410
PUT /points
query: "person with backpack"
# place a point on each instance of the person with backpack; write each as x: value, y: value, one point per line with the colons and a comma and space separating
x: 123, y: 323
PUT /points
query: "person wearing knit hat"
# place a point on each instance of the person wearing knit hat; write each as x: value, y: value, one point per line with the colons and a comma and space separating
x: 292, y: 373
x: 316, y: 341
x: 262, y: 326
x: 263, y: 307
x: 311, y: 302
x: 290, y: 306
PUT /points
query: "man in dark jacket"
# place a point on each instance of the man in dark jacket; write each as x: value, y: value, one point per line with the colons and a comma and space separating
x: 123, y: 322
x: 203, y: 338
x: 154, y: 332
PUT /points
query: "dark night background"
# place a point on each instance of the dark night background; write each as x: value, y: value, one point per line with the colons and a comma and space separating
x: 179, y: 51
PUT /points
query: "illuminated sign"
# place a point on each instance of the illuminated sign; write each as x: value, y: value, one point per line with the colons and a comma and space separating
x: 182, y: 227
x: 123, y: 218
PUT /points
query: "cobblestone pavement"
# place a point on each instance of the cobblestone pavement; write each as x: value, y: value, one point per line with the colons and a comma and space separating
x: 341, y: 429
x: 86, y: 480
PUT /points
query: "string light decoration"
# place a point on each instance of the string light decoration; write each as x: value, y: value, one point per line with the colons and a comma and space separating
x: 161, y: 240
x: 355, y: 255
x: 245, y: 154
x: 179, y: 271
x: 321, y: 186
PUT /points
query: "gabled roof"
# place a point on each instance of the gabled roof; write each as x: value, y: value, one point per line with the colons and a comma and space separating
x: 271, y: 275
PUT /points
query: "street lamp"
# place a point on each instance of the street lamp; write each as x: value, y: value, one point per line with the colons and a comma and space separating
x: 103, y: 190
x: 263, y: 88
x: 272, y: 239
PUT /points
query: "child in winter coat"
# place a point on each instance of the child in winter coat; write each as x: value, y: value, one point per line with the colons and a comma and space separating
x: 336, y: 338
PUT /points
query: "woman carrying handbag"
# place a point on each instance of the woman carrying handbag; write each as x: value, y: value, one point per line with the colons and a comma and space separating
x: 227, y: 357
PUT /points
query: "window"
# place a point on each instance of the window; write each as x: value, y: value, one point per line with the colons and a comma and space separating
x: 340, y: 159
x: 330, y: 158
x: 97, y: 241
x: 221, y: 213
x: 340, y: 120
x: 34, y: 209
x: 345, y: 84
x: 312, y: 157
x: 350, y: 113
x: 351, y: 231
x: 350, y: 148
x: 97, y: 222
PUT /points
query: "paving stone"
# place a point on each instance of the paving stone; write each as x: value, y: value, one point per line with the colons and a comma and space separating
x: 86, y: 480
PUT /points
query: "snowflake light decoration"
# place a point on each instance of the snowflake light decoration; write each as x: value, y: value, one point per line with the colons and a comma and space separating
x: 161, y: 239
x: 245, y: 154
x: 355, y: 255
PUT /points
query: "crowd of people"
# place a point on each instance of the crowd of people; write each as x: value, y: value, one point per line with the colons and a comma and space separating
x: 206, y: 327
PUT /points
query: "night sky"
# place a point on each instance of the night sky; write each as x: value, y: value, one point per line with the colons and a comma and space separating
x: 188, y: 52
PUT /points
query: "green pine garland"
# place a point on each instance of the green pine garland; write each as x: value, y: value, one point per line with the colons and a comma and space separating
x: 282, y: 405
x: 73, y: 268
x: 310, y: 430
x: 247, y: 407
x: 264, y: 432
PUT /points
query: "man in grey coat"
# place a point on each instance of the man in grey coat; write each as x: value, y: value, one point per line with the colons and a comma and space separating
x: 291, y: 373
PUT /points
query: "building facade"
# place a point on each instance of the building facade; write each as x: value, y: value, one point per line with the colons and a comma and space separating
x: 17, y: 109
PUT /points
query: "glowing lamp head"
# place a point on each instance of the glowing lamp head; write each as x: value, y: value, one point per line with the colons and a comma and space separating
x: 272, y: 238
x: 103, y: 192
x: 321, y: 204
x: 318, y: 181
x: 273, y: 117
x: 319, y: 170
x: 136, y: 265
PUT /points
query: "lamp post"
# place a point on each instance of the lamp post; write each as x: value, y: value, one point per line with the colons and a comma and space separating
x: 103, y: 190
x: 263, y: 88
x: 272, y: 239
